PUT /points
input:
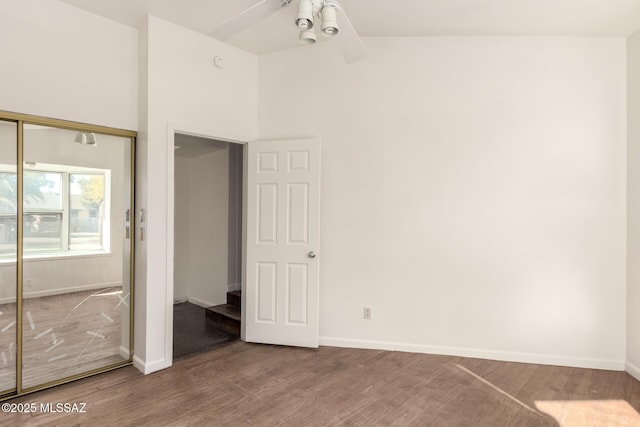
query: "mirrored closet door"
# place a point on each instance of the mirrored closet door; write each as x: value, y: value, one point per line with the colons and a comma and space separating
x: 71, y: 253
x: 8, y: 254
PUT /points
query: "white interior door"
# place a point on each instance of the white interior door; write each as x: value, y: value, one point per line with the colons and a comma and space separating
x: 281, y: 294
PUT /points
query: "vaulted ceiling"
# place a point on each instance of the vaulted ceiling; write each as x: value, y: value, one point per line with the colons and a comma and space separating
x: 402, y: 18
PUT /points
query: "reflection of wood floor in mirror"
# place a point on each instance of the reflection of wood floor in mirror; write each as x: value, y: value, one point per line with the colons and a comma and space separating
x: 64, y: 335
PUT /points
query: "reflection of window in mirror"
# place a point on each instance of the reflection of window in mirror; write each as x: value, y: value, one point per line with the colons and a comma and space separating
x: 65, y: 208
x: 8, y: 209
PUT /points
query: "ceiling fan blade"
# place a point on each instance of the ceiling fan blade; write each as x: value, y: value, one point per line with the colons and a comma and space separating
x: 247, y: 18
x: 348, y: 41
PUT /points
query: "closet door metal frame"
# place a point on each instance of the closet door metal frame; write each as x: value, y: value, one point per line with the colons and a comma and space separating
x: 20, y: 120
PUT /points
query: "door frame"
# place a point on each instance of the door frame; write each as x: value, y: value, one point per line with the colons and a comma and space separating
x: 185, y: 129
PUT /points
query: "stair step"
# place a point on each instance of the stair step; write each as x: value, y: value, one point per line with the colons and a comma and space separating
x: 227, y: 310
x: 224, y: 317
x: 234, y: 298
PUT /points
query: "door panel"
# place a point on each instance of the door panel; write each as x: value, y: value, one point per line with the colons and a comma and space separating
x: 76, y: 264
x: 298, y: 214
x: 297, y: 291
x: 283, y: 207
x: 8, y: 254
x: 267, y: 213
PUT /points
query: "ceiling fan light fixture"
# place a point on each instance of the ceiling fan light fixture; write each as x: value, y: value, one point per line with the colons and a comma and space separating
x: 86, y: 138
x: 330, y: 20
x: 91, y: 139
x: 304, y: 18
x: 307, y: 37
x: 81, y: 138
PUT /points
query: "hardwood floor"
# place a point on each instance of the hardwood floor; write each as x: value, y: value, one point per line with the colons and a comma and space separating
x: 249, y: 384
x: 64, y: 335
x: 190, y: 332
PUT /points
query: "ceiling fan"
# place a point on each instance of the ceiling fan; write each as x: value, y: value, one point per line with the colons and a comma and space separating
x: 326, y: 15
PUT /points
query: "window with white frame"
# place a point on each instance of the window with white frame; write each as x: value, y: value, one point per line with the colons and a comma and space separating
x: 66, y: 210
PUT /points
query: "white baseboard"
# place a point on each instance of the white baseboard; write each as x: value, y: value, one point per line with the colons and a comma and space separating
x: 124, y: 352
x: 58, y: 291
x: 149, y: 367
x: 138, y: 363
x: 506, y: 356
x: 201, y: 302
x: 633, y: 370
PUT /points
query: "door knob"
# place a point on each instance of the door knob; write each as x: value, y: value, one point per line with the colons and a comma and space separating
x: 311, y: 254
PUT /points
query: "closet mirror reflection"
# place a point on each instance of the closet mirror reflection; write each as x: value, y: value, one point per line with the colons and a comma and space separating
x: 76, y: 253
x: 8, y: 254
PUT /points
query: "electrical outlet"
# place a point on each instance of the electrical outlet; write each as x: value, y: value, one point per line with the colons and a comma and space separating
x: 367, y: 313
x: 27, y: 283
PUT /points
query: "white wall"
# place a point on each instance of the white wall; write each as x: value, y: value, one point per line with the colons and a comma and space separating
x: 201, y: 228
x: 234, y: 265
x: 633, y: 205
x: 182, y: 229
x: 209, y: 238
x: 183, y: 91
x: 59, y: 61
x: 140, y: 324
x: 473, y: 193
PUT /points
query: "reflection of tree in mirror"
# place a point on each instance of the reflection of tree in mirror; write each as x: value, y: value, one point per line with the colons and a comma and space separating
x: 92, y: 188
x: 35, y: 185
x: 87, y: 211
x: 8, y: 194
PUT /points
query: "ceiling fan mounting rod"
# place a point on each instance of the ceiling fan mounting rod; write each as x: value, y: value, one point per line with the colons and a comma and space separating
x: 319, y: 4
x: 332, y: 3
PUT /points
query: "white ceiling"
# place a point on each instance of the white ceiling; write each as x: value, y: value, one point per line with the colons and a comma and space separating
x: 601, y: 18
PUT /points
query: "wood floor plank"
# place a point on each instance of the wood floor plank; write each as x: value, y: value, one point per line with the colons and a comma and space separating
x: 258, y: 385
x: 63, y: 335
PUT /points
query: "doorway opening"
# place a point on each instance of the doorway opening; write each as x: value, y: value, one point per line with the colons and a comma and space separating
x: 207, y: 275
